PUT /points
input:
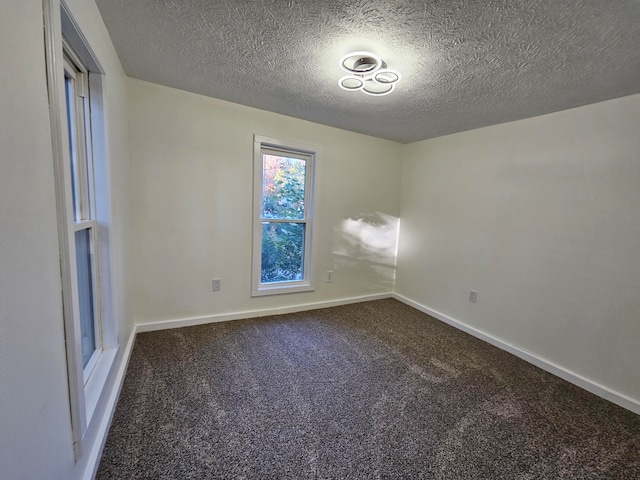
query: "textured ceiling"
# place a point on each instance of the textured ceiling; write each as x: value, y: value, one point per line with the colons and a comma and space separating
x: 465, y: 63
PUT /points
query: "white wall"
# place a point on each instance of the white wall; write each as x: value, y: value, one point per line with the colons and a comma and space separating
x: 35, y: 430
x: 192, y: 198
x: 542, y: 218
x: 34, y: 411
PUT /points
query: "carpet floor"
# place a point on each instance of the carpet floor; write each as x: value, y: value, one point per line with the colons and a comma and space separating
x: 366, y: 391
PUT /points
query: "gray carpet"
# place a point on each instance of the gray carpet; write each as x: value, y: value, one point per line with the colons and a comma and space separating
x: 371, y: 390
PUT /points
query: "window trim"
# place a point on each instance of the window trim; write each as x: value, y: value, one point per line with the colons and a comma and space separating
x: 310, y: 153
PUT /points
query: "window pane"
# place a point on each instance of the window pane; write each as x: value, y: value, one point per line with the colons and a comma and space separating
x: 282, y: 252
x: 73, y: 149
x: 85, y: 294
x: 283, y: 185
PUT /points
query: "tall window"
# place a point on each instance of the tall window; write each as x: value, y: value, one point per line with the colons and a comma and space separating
x: 283, y: 206
x: 75, y: 84
x: 82, y: 193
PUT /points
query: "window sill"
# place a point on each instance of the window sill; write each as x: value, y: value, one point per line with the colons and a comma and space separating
x: 280, y: 288
x: 95, y: 385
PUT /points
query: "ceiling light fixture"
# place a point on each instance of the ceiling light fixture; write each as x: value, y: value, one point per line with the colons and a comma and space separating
x: 368, y: 73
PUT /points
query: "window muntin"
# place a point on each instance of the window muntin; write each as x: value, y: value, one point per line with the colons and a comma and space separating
x: 282, y: 218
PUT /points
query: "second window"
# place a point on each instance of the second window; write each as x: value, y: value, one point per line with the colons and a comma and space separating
x: 282, y: 218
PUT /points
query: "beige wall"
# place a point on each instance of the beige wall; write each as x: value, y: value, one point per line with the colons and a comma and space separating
x: 191, y: 205
x: 542, y: 218
x: 35, y: 429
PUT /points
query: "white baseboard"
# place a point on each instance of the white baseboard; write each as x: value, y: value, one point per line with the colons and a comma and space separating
x: 95, y: 453
x: 582, y: 382
x: 223, y: 317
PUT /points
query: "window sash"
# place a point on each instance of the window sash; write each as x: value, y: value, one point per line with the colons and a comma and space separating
x: 288, y: 155
x: 96, y: 324
x: 292, y: 268
x: 79, y: 124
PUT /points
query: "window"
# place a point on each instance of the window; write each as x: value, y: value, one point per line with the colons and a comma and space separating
x: 75, y: 82
x: 76, y: 87
x: 283, y: 212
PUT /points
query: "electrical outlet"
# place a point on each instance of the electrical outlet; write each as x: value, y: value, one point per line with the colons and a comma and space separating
x: 473, y: 296
x: 329, y: 276
x: 216, y: 284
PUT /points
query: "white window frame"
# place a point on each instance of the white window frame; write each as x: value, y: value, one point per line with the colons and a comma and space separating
x: 295, y: 150
x: 69, y: 53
